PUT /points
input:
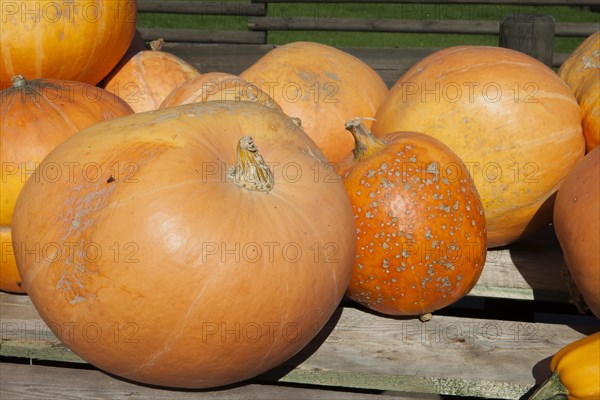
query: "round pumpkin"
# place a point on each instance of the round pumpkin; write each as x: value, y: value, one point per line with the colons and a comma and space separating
x: 581, y: 71
x: 514, y: 123
x: 146, y: 78
x: 36, y: 116
x: 77, y: 41
x: 577, y: 222
x: 217, y: 86
x: 420, y: 224
x: 202, y: 249
x: 323, y: 87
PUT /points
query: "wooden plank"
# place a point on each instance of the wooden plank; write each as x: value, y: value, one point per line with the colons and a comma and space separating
x: 484, y: 2
x: 576, y: 29
x: 527, y: 270
x: 372, y: 25
x: 203, y: 36
x: 201, y: 7
x: 359, y: 349
x: 26, y: 382
x: 230, y: 58
x: 471, y: 27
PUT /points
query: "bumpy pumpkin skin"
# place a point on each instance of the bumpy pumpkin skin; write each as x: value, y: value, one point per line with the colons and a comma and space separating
x: 145, y: 79
x: 421, y: 240
x: 34, y: 119
x: 581, y: 71
x: 322, y: 86
x: 218, y: 86
x: 514, y: 123
x: 187, y: 257
x: 576, y: 222
x: 78, y: 41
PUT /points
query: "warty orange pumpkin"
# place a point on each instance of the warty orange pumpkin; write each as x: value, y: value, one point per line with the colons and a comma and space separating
x: 514, y: 123
x: 146, y: 78
x: 70, y: 40
x: 35, y: 117
x: 211, y: 257
x: 420, y: 224
x: 581, y: 71
x: 323, y: 87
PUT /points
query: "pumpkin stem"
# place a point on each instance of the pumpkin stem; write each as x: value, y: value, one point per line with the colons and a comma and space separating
x: 250, y: 171
x: 365, y: 143
x: 425, y: 317
x: 19, y: 81
x: 550, y: 389
x: 156, y: 45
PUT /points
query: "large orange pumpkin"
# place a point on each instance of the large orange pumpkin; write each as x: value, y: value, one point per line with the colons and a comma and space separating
x: 146, y: 78
x: 581, y: 71
x: 577, y: 226
x: 511, y: 119
x: 79, y: 41
x: 35, y: 117
x: 185, y: 272
x: 217, y: 86
x: 323, y: 87
x: 420, y: 225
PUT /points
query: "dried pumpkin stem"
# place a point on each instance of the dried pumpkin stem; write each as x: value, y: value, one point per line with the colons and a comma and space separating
x: 250, y: 171
x: 552, y: 388
x: 365, y: 143
x: 19, y: 81
x: 157, y: 44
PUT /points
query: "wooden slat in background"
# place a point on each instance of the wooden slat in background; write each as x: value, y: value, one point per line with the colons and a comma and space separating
x: 202, y: 7
x: 472, y: 27
x: 494, y: 2
x: 203, y: 36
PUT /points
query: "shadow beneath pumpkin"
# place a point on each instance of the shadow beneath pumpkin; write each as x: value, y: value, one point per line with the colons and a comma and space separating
x: 279, y: 372
x: 539, y: 258
x: 540, y: 372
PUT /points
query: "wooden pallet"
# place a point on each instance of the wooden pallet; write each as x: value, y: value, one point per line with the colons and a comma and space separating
x: 462, y: 351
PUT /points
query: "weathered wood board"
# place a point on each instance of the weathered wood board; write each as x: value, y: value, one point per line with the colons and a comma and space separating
x: 29, y: 382
x: 359, y: 349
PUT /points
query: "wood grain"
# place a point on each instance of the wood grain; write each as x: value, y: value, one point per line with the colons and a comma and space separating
x: 360, y: 349
x: 201, y: 7
x: 471, y: 27
x: 29, y: 382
